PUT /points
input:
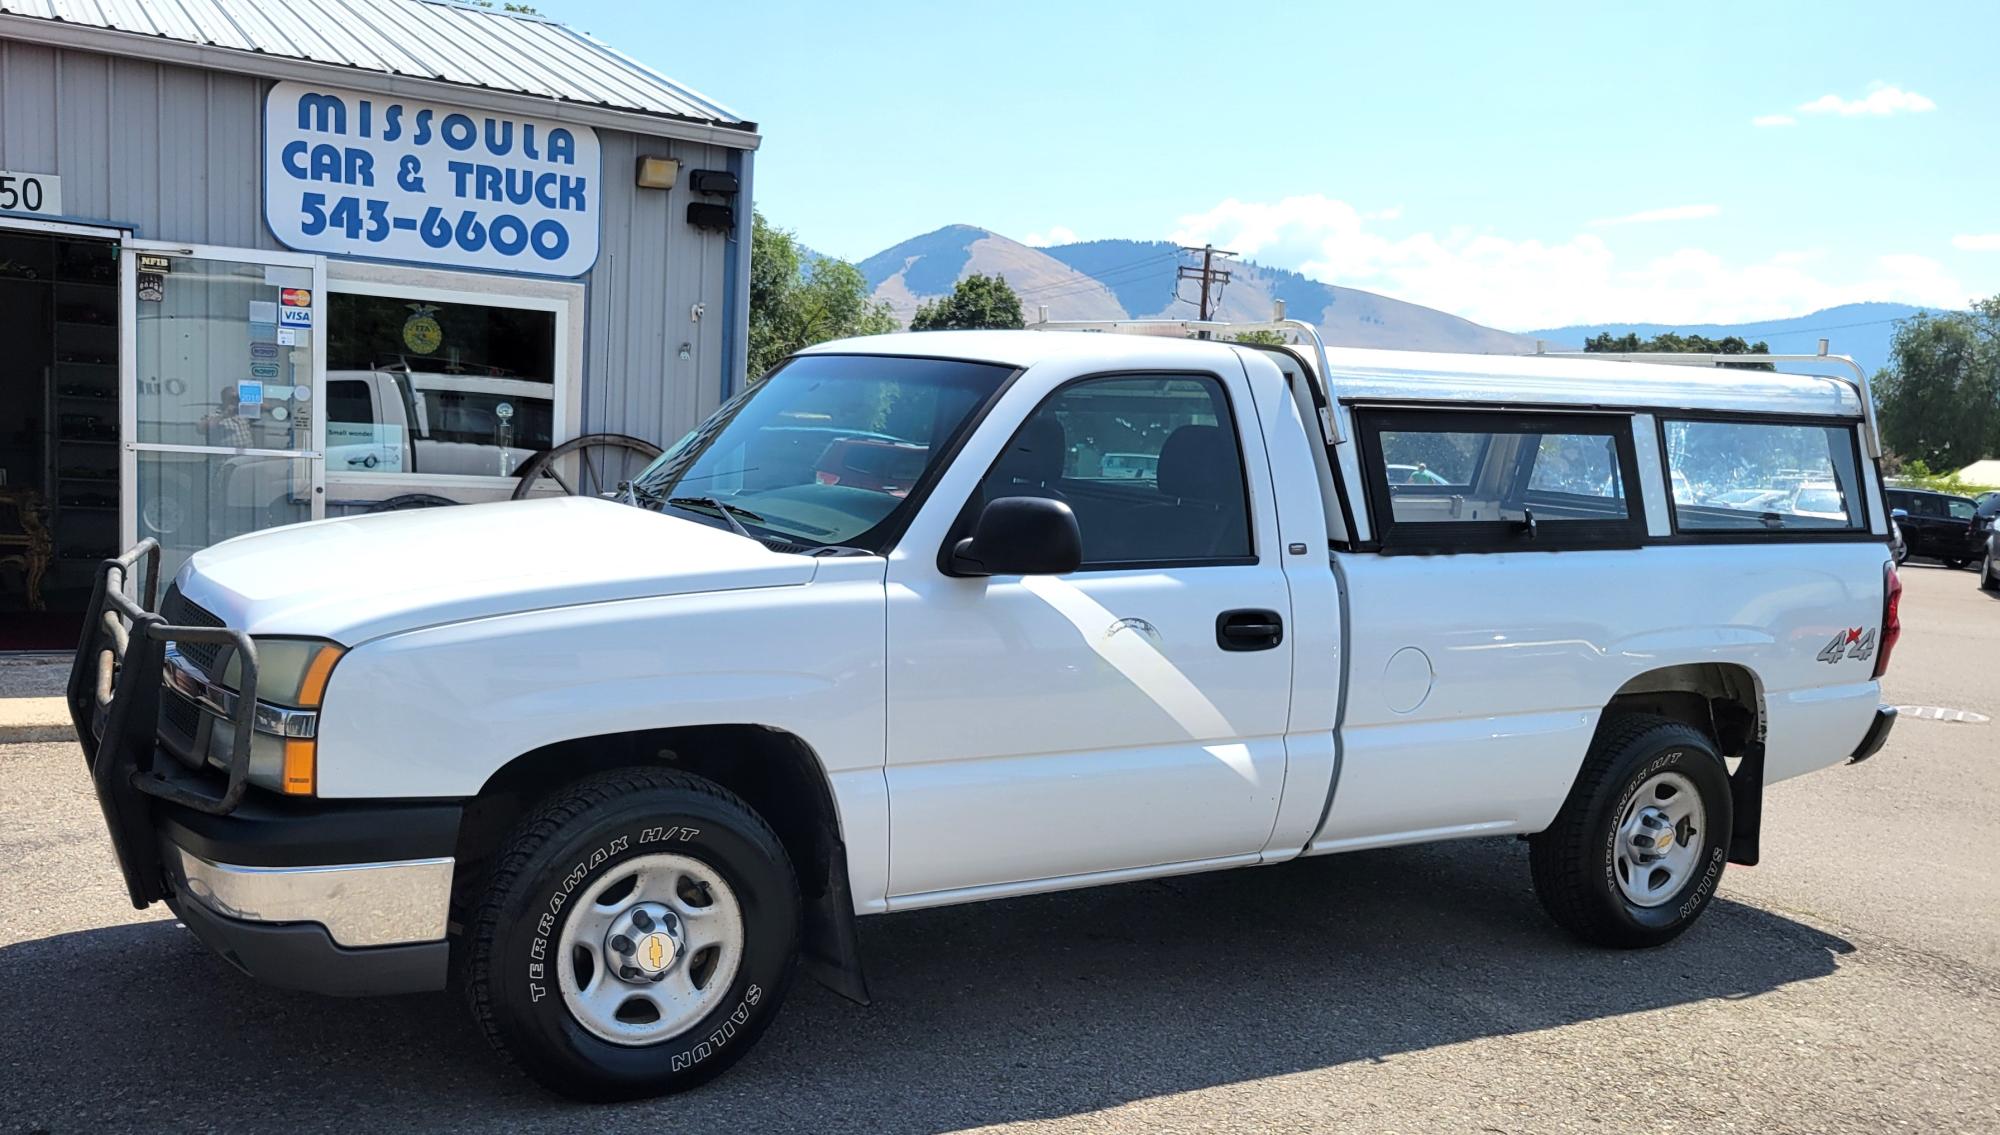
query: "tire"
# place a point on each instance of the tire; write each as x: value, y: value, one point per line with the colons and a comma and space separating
x: 1988, y: 581
x: 666, y: 830
x: 1587, y: 874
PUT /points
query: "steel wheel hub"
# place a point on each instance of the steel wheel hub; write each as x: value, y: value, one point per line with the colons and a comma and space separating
x: 645, y: 942
x: 649, y: 948
x: 1660, y: 839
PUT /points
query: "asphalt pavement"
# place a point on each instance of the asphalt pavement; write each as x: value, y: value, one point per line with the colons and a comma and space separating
x: 1851, y: 983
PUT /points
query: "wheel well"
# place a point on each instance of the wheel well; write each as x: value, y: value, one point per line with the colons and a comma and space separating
x: 1721, y: 699
x: 1726, y: 702
x: 775, y: 772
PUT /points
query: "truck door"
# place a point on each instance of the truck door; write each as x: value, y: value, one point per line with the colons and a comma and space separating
x: 1129, y: 715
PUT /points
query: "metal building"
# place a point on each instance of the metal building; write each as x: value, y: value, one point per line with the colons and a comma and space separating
x: 262, y: 263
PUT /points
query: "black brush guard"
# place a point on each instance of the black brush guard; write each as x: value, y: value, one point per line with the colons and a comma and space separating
x: 114, y: 702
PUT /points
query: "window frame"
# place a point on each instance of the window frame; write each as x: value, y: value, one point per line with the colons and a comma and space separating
x: 1486, y: 536
x: 1864, y: 533
x: 962, y: 525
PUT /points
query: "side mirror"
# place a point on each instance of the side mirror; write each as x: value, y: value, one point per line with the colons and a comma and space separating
x: 1900, y: 513
x: 1020, y: 536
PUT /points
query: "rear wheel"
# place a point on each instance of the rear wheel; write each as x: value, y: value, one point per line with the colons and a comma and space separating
x: 636, y: 938
x: 1989, y: 574
x: 1635, y: 854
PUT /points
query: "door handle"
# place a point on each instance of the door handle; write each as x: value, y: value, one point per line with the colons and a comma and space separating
x: 1249, y: 628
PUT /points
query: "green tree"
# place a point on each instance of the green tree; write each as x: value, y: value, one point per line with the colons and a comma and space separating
x: 1939, y: 397
x: 1669, y: 342
x: 1260, y: 338
x: 797, y: 300
x: 978, y: 301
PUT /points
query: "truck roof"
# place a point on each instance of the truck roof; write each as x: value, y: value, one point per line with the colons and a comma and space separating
x: 1359, y: 374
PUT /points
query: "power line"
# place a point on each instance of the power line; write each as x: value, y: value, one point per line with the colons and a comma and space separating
x: 1212, y: 278
x: 1134, y: 269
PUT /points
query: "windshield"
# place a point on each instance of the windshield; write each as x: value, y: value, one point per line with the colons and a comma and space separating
x: 825, y: 450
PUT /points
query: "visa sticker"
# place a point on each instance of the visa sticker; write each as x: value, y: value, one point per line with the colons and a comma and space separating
x: 295, y: 317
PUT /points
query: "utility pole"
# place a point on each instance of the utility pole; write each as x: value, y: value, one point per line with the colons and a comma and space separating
x: 1210, y: 276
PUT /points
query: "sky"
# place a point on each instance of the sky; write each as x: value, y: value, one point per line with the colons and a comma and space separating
x: 1525, y: 165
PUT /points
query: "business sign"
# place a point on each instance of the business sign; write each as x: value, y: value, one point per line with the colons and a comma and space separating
x: 38, y: 193
x: 349, y: 174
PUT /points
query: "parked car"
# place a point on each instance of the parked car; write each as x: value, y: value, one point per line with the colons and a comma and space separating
x: 395, y: 421
x: 1898, y: 550
x: 1939, y: 525
x: 617, y: 769
x: 1986, y: 526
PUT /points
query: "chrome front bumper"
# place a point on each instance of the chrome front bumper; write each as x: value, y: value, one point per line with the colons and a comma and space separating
x: 360, y: 904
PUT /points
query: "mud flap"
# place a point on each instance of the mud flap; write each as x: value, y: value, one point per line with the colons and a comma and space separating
x: 831, y: 953
x: 1746, y: 790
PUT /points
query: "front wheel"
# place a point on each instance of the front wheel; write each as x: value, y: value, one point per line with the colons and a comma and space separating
x: 1989, y: 574
x: 1635, y: 854
x: 636, y: 938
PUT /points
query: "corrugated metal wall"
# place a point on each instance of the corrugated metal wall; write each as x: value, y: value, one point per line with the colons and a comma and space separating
x: 174, y: 153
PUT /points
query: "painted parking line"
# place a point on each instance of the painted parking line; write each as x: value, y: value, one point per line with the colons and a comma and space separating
x: 1943, y: 713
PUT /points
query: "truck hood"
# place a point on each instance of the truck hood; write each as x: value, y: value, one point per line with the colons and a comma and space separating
x: 357, y: 578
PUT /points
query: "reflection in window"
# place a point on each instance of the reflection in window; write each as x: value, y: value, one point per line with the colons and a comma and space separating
x: 417, y: 386
x: 1757, y: 476
x: 1470, y: 477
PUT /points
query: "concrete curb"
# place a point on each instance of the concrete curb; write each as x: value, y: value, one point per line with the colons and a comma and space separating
x: 34, y: 719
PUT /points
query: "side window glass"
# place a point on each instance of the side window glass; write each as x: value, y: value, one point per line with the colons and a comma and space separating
x: 1584, y: 465
x: 1150, y: 466
x: 1763, y: 477
x: 1960, y: 509
x: 1501, y: 475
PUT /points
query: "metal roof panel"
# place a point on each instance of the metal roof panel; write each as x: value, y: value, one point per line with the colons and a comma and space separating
x: 439, y: 40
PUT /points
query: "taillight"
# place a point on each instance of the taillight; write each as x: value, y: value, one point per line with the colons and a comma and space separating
x: 1892, y: 618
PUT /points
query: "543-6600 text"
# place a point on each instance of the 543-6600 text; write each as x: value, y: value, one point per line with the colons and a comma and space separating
x: 369, y: 219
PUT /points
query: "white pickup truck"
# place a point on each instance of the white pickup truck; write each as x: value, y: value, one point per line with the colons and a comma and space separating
x: 1152, y: 605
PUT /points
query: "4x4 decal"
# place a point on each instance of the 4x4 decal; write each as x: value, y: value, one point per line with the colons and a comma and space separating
x: 1850, y: 643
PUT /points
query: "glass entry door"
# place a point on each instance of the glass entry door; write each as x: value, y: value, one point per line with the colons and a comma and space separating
x: 223, y: 384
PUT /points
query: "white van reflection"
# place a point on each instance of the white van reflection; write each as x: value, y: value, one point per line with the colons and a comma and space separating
x: 383, y: 421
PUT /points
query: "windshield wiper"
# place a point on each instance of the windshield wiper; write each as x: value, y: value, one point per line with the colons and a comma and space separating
x: 727, y: 511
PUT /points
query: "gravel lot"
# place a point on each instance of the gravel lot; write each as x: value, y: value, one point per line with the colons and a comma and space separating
x: 1852, y: 983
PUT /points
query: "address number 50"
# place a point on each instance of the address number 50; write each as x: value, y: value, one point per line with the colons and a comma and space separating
x: 30, y: 193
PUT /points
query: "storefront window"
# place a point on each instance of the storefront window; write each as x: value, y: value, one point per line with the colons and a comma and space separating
x: 419, y: 386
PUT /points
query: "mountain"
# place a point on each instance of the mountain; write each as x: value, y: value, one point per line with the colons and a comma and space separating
x: 1135, y: 279
x: 1862, y: 330
x: 1129, y: 279
x: 930, y: 265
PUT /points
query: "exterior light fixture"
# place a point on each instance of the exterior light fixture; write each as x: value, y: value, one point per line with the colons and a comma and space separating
x: 658, y: 173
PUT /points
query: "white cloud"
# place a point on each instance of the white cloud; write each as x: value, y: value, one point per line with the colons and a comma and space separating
x: 1057, y: 234
x: 1774, y: 120
x: 1520, y: 284
x: 1881, y: 99
x: 1671, y: 213
x: 1976, y: 242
